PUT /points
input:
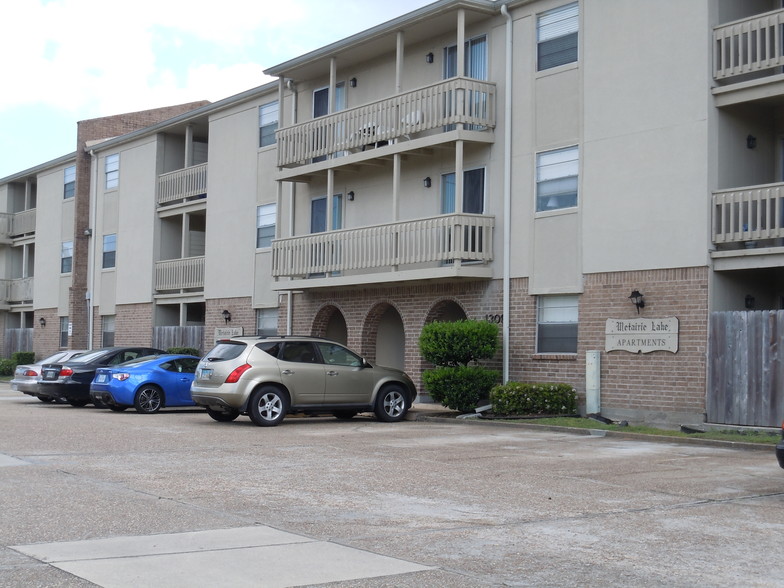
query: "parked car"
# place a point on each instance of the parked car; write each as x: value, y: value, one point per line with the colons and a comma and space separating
x: 71, y: 379
x: 148, y: 383
x: 268, y: 378
x: 26, y: 376
x: 780, y: 448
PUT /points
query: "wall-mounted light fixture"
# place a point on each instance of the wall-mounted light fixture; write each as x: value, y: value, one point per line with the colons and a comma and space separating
x: 429, y: 58
x: 427, y: 182
x: 88, y: 232
x: 751, y: 142
x: 226, y: 316
x: 637, y: 300
x: 42, y: 322
x: 749, y: 301
x: 353, y: 82
x: 351, y: 196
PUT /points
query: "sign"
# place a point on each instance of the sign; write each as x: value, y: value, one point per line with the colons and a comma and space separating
x: 227, y: 332
x: 641, y: 335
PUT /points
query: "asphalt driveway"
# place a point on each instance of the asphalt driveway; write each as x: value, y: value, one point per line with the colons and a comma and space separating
x: 91, y: 497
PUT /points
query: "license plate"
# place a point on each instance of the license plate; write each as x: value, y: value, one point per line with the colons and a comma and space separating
x: 205, y: 373
x: 50, y: 375
x: 101, y: 378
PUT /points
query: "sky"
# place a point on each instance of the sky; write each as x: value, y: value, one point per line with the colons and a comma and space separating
x: 69, y: 60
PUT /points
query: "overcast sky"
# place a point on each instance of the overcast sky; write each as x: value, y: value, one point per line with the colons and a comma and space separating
x: 63, y: 61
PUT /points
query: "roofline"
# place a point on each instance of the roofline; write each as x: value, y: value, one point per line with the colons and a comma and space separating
x: 401, y: 22
x: 186, y: 116
x: 34, y: 171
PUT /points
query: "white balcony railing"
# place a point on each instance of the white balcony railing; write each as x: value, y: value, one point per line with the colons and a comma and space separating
x: 180, y: 274
x: 16, y: 290
x: 449, y: 102
x: 182, y: 183
x: 453, y: 238
x: 748, y: 214
x: 17, y: 224
x: 748, y: 45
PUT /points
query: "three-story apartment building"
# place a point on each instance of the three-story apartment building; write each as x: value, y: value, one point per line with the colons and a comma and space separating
x: 535, y: 163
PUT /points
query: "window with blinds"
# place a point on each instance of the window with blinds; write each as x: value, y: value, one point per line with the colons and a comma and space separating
x: 556, y: 34
x: 556, y: 324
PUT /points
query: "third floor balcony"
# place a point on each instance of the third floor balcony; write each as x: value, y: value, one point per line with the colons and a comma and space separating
x: 185, y: 274
x: 17, y: 224
x: 415, y: 117
x: 182, y: 185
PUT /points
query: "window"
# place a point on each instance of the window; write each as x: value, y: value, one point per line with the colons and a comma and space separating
x: 556, y: 324
x: 265, y: 225
x: 267, y: 322
x: 64, y: 331
x: 69, y: 181
x: 66, y: 257
x: 112, y: 169
x: 556, y: 179
x: 268, y: 123
x: 556, y: 34
x: 109, y: 250
x: 107, y: 331
x: 473, y: 192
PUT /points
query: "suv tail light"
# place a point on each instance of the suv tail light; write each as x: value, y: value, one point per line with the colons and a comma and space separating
x: 235, y: 375
x: 66, y: 371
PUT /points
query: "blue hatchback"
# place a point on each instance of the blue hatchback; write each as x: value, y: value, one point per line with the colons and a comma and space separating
x: 148, y: 383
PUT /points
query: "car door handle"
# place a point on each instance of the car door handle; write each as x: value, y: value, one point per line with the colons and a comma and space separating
x: 286, y: 372
x: 332, y: 373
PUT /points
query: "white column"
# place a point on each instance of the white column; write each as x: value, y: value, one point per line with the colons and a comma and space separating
x: 188, y: 146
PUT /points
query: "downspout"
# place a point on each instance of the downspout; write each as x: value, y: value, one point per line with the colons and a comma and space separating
x: 91, y: 249
x: 507, y: 247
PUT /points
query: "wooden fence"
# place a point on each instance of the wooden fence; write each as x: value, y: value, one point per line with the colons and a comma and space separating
x: 166, y: 337
x: 746, y: 368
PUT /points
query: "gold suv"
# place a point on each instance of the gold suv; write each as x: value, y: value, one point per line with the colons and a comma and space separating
x: 268, y: 378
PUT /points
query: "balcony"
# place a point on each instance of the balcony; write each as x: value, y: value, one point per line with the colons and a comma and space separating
x: 17, y: 224
x: 182, y: 185
x: 180, y: 274
x: 448, y: 246
x: 16, y: 291
x: 457, y: 101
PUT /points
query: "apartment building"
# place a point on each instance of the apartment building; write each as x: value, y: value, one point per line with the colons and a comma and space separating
x: 601, y: 179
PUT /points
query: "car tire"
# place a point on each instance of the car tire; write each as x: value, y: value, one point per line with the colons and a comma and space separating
x: 78, y: 403
x: 391, y: 404
x: 223, y: 416
x: 148, y: 399
x: 45, y: 399
x: 268, y: 406
x: 345, y: 415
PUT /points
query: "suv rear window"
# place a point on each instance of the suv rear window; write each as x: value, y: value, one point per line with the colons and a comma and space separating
x: 271, y: 347
x: 226, y: 350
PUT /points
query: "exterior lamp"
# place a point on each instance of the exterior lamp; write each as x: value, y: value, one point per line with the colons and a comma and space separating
x: 749, y: 301
x: 226, y: 316
x: 751, y: 142
x: 637, y: 300
x: 351, y: 196
x: 427, y: 182
x: 353, y: 82
x: 429, y: 58
x: 42, y: 322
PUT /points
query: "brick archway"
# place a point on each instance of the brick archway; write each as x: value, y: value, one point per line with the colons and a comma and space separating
x: 330, y: 322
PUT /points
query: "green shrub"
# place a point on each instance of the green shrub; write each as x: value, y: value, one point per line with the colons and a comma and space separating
x: 459, y: 388
x: 7, y: 367
x: 184, y: 351
x: 524, y: 399
x: 23, y: 357
x: 458, y: 343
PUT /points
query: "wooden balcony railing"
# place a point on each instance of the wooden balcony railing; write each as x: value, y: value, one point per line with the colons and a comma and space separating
x: 748, y: 45
x: 748, y: 214
x: 182, y: 183
x: 449, y: 102
x: 179, y: 274
x: 453, y: 238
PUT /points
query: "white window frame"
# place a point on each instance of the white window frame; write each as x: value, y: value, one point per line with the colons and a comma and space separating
x: 557, y: 169
x: 66, y: 253
x: 269, y: 115
x: 107, y: 331
x: 558, y: 24
x: 266, y: 322
x: 445, y: 183
x: 266, y: 219
x: 557, y: 312
x: 64, y: 331
x: 69, y: 182
x: 112, y: 171
x: 111, y: 240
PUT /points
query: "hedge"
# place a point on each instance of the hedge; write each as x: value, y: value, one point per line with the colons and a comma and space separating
x: 459, y: 388
x: 516, y: 398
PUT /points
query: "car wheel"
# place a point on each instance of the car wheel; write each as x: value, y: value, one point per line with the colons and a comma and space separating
x: 345, y: 415
x: 223, y: 416
x: 267, y: 406
x: 391, y: 404
x: 117, y: 408
x: 46, y: 399
x: 79, y: 403
x: 148, y: 400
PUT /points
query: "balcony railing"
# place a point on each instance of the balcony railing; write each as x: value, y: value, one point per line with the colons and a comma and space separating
x: 748, y: 214
x: 182, y: 183
x: 16, y: 290
x: 749, y: 45
x: 179, y: 274
x: 449, y: 102
x: 17, y: 224
x: 453, y: 238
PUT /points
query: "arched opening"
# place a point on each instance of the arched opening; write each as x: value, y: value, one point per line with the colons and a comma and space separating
x: 391, y: 339
x: 331, y: 324
x: 447, y: 311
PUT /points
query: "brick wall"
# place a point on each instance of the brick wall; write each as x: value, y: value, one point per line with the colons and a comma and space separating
x: 132, y: 325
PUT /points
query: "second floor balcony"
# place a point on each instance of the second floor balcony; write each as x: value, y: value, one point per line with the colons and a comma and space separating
x: 453, y: 245
x: 180, y: 274
x: 431, y: 109
x: 17, y: 224
x: 16, y: 291
x: 182, y: 184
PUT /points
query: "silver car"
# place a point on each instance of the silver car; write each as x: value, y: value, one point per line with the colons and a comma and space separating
x: 268, y: 378
x: 26, y: 376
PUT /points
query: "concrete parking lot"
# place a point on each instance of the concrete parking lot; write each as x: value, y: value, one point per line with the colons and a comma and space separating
x: 91, y: 497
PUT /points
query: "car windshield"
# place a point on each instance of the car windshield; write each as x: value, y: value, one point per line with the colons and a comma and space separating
x: 88, y: 357
x: 54, y: 358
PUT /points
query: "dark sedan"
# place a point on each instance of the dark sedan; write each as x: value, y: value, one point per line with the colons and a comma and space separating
x: 71, y: 380
x: 780, y: 448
